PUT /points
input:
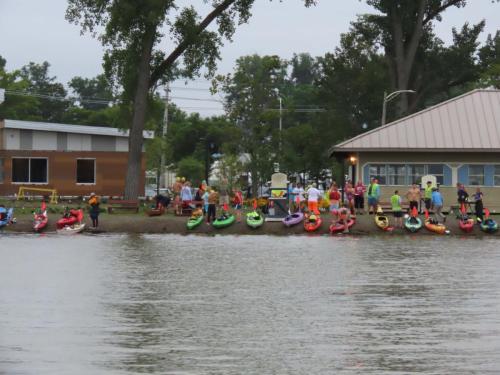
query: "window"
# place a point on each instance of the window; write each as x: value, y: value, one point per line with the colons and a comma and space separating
x: 407, y: 174
x: 496, y: 176
x: 29, y: 170
x: 396, y: 174
x: 85, y: 171
x: 378, y: 171
x: 476, y: 174
x: 415, y: 174
x: 438, y: 171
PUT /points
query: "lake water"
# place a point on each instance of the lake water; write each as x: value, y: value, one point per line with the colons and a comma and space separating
x: 168, y: 304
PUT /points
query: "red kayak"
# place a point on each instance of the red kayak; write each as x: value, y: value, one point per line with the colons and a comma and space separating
x: 465, y: 223
x: 40, y: 219
x: 75, y: 216
x: 312, y: 223
x: 340, y: 227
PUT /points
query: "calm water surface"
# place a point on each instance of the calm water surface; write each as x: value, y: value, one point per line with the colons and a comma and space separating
x: 169, y: 304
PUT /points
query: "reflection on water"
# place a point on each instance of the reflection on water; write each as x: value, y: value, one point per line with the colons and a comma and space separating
x: 203, y: 305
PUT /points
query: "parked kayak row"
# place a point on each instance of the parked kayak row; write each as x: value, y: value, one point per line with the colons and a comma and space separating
x: 70, y: 223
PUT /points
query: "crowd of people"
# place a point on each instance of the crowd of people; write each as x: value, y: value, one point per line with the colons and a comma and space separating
x: 341, y: 202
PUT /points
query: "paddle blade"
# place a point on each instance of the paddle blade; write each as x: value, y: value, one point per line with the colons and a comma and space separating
x: 426, y: 214
x: 43, y: 207
x: 462, y: 209
x: 225, y: 207
x: 254, y: 204
x: 486, y: 213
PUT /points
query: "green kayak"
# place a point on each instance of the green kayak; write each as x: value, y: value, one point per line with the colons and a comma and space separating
x: 193, y: 222
x: 224, y: 221
x: 254, y: 219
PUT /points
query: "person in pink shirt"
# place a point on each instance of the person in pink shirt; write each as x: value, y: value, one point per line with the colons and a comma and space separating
x: 359, y: 197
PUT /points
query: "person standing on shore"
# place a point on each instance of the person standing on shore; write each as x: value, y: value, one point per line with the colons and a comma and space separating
x: 396, y: 209
x: 437, y: 203
x: 213, y: 199
x: 298, y: 192
x: 359, y: 199
x: 94, y: 210
x: 478, y: 203
x: 413, y: 196
x: 349, y: 196
x: 334, y: 196
x: 428, y: 195
x: 313, y: 195
x: 373, y: 195
x: 238, y: 203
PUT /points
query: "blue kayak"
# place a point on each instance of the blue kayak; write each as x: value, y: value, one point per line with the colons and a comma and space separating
x: 7, y: 216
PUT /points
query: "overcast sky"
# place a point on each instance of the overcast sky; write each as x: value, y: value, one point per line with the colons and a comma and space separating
x: 35, y: 30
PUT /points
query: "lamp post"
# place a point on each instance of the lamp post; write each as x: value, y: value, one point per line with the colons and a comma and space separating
x: 388, y: 98
x: 281, y: 114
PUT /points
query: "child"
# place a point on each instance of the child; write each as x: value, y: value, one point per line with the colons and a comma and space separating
x: 94, y: 210
x: 238, y: 202
x: 334, y: 198
x: 396, y: 209
x: 205, y: 201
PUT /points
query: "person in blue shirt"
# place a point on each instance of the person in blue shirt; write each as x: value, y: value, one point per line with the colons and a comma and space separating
x: 437, y: 203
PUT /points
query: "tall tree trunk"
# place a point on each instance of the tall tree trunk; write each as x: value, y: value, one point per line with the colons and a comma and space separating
x: 405, y: 49
x: 135, y: 141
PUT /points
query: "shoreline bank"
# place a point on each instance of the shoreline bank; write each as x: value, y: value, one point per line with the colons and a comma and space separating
x: 169, y: 223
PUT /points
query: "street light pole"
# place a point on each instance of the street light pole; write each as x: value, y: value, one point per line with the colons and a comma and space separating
x: 388, y: 98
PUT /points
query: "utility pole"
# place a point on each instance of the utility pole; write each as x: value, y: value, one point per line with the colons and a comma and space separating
x: 161, y: 174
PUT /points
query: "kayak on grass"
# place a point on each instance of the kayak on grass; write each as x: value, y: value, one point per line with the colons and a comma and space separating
x: 254, y: 219
x: 293, y: 219
x: 412, y: 222
x: 224, y: 220
x: 70, y: 218
x: 382, y: 221
x: 194, y: 221
x: 312, y: 222
x: 40, y: 218
x: 341, y: 226
x: 6, y: 216
x: 465, y: 223
x: 156, y: 211
x: 488, y: 225
x: 433, y: 226
x: 71, y: 229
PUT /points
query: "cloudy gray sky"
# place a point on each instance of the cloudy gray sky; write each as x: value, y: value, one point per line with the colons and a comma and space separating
x: 35, y: 30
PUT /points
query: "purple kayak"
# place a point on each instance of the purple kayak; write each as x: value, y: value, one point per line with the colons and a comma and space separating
x: 293, y: 219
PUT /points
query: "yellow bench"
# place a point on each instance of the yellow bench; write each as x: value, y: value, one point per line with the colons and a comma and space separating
x: 23, y: 189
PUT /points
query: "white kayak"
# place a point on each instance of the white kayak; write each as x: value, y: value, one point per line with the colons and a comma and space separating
x: 71, y: 229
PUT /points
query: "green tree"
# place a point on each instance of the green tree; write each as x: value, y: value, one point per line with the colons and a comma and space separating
x: 52, y: 101
x: 15, y: 107
x: 132, y: 33
x: 489, y: 56
x: 251, y: 102
x: 92, y: 93
x: 192, y: 169
x: 402, y: 28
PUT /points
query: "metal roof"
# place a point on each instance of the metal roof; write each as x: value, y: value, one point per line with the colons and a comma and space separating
x: 67, y: 128
x: 470, y: 122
